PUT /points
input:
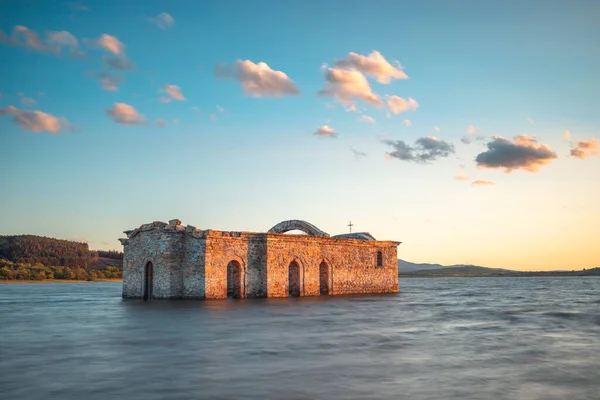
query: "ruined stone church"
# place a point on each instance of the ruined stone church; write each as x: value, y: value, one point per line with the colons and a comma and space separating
x: 172, y: 261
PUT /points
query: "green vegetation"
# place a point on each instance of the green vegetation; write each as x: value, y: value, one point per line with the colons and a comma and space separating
x: 29, y: 257
x: 39, y: 272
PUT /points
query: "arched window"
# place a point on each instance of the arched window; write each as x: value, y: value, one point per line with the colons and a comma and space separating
x: 379, y: 259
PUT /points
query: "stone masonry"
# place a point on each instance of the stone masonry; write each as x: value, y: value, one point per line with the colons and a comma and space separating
x: 172, y: 261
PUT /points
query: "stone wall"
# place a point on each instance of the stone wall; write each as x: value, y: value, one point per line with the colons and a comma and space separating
x: 193, y: 264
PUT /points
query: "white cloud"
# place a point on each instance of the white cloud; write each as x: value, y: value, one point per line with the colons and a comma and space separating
x: 220, y: 109
x: 566, y: 135
x: 437, y: 129
x: 162, y: 20
x: 325, y: 131
x: 258, y: 80
x: 407, y: 122
x: 373, y: 65
x: 36, y: 121
x: 125, y: 114
x: 399, y: 105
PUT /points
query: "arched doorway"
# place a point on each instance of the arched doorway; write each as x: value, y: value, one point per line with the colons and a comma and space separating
x: 234, y: 280
x: 324, y: 278
x: 294, y: 279
x: 148, y: 281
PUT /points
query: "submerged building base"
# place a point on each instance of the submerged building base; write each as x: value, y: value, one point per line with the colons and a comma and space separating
x: 172, y: 261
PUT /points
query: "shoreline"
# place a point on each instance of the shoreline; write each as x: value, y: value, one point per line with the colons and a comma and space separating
x: 14, y: 281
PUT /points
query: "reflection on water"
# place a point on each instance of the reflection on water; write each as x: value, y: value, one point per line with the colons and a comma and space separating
x: 471, y: 338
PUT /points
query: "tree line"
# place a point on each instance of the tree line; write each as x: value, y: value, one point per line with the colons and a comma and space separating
x: 30, y: 257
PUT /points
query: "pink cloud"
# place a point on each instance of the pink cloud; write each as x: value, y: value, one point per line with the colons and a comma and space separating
x: 399, y: 105
x: 160, y: 122
x: 325, y: 131
x: 55, y: 41
x: 374, y: 65
x: 482, y: 183
x: 566, y: 135
x: 111, y: 44
x: 125, y: 114
x: 346, y: 85
x: 36, y: 121
x: 258, y: 80
x: 407, y: 122
x: 108, y: 81
x: 367, y: 119
x: 585, y: 148
x: 174, y: 91
x: 462, y: 177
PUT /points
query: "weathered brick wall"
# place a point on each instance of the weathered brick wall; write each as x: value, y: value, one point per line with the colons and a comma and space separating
x: 161, y: 247
x: 351, y: 264
x: 193, y: 264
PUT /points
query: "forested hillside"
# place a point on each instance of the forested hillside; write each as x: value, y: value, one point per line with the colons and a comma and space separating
x: 29, y: 257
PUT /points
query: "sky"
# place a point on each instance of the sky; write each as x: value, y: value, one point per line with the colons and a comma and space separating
x: 467, y: 130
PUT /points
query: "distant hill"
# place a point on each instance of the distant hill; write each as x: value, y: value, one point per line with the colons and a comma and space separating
x: 30, y: 257
x: 408, y: 269
x: 407, y: 266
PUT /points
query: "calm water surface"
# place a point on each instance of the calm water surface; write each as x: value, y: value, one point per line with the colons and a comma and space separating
x: 459, y: 338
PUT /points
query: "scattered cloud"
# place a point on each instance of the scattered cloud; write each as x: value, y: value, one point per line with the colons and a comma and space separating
x: 373, y: 65
x: 175, y: 121
x: 160, y: 122
x: 220, y: 109
x: 111, y: 44
x: 36, y: 121
x: 566, y: 135
x: 60, y: 39
x: 196, y: 110
x: 212, y: 117
x: 114, y: 46
x: 399, y: 105
x: 585, y: 148
x: 28, y: 101
x: 165, y: 99
x: 522, y: 153
x: 125, y: 114
x: 530, y: 120
x: 162, y: 20
x: 258, y: 80
x: 120, y: 62
x: 357, y: 153
x: 325, y: 131
x: 367, y: 119
x: 465, y: 140
x: 329, y: 105
x: 407, y: 122
x: 108, y: 81
x: 347, y: 85
x: 462, y: 177
x: 425, y: 149
x: 473, y: 130
x: 437, y: 129
x: 174, y: 91
x: 55, y: 41
x: 482, y: 183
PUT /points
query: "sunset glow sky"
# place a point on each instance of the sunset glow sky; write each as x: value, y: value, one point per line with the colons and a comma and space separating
x: 465, y: 129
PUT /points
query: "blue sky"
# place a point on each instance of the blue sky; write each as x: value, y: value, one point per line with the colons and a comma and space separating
x: 234, y: 160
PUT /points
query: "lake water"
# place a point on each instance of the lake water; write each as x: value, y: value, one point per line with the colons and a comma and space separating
x: 457, y: 338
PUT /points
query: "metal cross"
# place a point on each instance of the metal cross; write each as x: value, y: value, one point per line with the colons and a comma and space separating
x: 350, y: 225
